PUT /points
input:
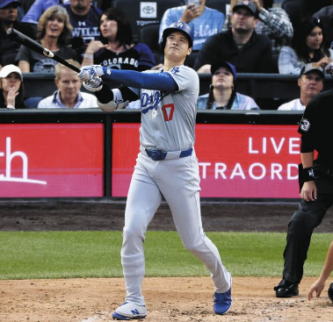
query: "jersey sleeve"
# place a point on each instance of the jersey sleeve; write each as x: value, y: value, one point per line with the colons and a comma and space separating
x: 185, y: 78
x: 307, y: 127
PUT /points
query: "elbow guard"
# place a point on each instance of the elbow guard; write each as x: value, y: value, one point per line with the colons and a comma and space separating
x: 116, y: 103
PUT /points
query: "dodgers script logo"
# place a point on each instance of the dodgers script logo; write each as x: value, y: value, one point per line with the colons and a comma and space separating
x: 149, y: 102
x: 9, y: 156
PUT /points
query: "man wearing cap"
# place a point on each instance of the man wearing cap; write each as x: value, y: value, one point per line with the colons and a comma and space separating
x: 272, y: 22
x: 8, y: 19
x: 240, y: 45
x: 316, y: 189
x: 166, y: 166
x: 310, y: 82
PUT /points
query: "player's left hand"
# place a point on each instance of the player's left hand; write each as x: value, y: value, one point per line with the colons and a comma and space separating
x: 89, y: 72
x: 309, y: 191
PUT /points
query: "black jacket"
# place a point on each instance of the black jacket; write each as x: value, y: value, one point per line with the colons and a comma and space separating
x: 254, y: 57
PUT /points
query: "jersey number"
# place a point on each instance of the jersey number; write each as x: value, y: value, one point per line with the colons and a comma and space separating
x: 168, y: 112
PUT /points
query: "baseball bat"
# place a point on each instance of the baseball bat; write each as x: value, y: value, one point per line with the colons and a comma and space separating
x: 38, y: 48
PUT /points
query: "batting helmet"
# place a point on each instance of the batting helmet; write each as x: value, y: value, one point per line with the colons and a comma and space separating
x: 330, y: 292
x: 177, y: 26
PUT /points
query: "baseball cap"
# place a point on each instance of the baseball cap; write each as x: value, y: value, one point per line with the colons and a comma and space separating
x: 4, y: 3
x: 6, y: 70
x: 216, y: 65
x: 248, y: 5
x: 308, y: 68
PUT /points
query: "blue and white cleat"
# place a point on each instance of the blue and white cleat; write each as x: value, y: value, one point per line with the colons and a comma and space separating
x: 130, y: 311
x: 222, y: 302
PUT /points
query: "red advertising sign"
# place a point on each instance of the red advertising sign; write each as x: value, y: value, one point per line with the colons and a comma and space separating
x: 51, y: 160
x: 235, y: 160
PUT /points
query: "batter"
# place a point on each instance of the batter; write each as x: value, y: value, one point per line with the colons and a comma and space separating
x: 166, y: 165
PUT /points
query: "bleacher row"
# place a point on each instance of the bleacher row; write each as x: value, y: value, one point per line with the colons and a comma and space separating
x: 268, y: 90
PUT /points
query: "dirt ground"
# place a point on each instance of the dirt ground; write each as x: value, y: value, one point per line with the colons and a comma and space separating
x: 167, y: 299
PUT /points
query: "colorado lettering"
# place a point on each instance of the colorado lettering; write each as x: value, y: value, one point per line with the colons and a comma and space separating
x: 120, y: 61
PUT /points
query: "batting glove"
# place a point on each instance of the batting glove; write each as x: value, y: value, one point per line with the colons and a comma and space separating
x: 89, y: 72
x: 93, y: 85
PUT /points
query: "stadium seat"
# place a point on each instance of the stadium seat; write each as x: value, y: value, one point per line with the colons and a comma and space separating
x: 149, y: 35
x: 142, y: 13
x: 293, y: 9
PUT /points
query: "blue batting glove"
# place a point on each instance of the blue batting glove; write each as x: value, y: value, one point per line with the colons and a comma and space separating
x: 89, y: 72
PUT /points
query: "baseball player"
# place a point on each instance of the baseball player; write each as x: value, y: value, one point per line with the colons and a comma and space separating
x: 166, y: 165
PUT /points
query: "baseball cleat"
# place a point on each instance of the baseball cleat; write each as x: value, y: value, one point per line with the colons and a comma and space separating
x: 130, y: 311
x: 222, y: 302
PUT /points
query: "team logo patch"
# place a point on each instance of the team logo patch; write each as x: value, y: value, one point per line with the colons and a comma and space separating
x: 175, y: 70
x: 180, y: 24
x: 108, y: 72
x: 305, y: 125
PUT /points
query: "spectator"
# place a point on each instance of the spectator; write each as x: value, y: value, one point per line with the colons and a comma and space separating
x: 326, y: 17
x: 8, y: 19
x: 38, y: 8
x: 54, y: 33
x: 222, y: 94
x: 68, y: 94
x: 311, y: 83
x: 240, y: 45
x: 203, y: 20
x: 11, y: 87
x: 85, y: 20
x: 273, y: 23
x: 308, y: 47
x: 117, y: 49
x: 83, y: 16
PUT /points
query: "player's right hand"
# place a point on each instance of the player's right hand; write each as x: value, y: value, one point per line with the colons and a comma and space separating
x: 89, y: 72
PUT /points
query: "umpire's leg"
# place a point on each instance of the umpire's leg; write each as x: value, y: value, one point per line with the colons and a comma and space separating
x: 308, y: 216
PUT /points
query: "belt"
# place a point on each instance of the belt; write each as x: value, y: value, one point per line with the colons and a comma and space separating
x: 158, y: 155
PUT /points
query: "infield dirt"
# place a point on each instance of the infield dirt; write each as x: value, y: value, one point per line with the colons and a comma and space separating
x: 168, y: 299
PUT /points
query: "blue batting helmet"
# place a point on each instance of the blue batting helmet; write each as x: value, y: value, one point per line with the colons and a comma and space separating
x: 177, y: 26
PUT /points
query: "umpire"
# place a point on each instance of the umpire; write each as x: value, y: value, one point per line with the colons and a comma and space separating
x: 316, y: 184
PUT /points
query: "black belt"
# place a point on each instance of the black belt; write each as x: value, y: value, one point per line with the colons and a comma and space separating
x: 158, y: 155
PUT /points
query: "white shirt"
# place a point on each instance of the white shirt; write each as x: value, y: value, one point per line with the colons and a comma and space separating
x: 294, y: 105
x: 85, y: 100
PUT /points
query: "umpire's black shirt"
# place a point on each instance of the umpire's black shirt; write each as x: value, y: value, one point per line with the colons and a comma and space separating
x: 316, y: 128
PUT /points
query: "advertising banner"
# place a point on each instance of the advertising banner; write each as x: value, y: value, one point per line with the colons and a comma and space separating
x: 51, y: 160
x: 235, y: 160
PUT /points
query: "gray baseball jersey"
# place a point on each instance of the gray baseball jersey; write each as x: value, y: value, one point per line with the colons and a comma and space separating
x: 170, y: 125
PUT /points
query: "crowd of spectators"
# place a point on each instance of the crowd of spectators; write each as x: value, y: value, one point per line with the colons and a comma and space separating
x: 250, y: 36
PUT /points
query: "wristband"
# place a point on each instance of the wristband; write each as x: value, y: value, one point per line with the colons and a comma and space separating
x: 308, y: 174
x: 88, y: 56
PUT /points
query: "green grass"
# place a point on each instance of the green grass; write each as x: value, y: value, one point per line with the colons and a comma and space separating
x: 27, y: 255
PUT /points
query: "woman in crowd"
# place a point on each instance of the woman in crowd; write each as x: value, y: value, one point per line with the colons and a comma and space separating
x: 54, y: 32
x: 11, y: 87
x: 117, y: 49
x: 222, y: 94
x: 308, y: 46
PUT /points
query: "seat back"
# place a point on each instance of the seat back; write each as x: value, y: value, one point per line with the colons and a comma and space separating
x: 293, y: 9
x: 143, y: 13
